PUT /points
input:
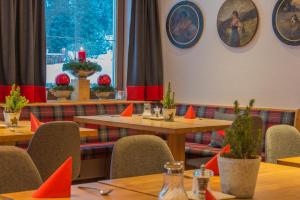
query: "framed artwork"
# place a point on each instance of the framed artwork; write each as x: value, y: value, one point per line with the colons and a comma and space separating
x: 184, y: 24
x: 286, y: 21
x: 237, y: 22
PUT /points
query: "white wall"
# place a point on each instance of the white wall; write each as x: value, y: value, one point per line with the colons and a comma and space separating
x: 213, y: 73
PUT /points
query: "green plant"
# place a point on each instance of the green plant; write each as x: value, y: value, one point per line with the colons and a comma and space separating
x: 169, y: 100
x: 243, y: 139
x: 14, y: 102
x: 62, y: 88
x: 75, y: 65
x: 103, y: 88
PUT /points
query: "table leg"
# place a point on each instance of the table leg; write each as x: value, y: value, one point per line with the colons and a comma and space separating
x: 176, y: 144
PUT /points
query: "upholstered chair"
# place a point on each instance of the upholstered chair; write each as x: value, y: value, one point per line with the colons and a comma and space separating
x: 139, y: 155
x: 17, y: 171
x: 52, y: 144
x: 282, y: 141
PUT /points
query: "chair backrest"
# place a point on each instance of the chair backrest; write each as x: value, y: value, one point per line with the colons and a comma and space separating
x: 17, y: 171
x: 139, y: 155
x: 282, y: 141
x: 52, y: 144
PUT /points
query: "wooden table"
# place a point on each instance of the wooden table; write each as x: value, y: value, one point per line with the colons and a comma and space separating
x: 275, y: 182
x: 292, y: 161
x: 24, y: 133
x: 78, y: 194
x: 175, y: 131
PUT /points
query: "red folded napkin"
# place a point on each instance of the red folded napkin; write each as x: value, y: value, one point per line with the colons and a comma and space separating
x: 221, y: 132
x: 34, y: 122
x: 209, y: 196
x: 128, y: 111
x: 58, y: 185
x: 190, y: 113
x: 212, y: 164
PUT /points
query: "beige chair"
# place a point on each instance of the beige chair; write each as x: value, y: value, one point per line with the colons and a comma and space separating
x: 52, y: 144
x: 17, y: 171
x: 139, y: 155
x: 282, y: 141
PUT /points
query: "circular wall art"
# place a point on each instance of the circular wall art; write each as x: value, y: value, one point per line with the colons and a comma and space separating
x: 184, y: 24
x: 286, y: 21
x: 237, y: 22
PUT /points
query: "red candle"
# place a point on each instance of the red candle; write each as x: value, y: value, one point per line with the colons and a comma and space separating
x: 82, y: 55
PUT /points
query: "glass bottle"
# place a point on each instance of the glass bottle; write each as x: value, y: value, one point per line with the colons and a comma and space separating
x: 173, y: 188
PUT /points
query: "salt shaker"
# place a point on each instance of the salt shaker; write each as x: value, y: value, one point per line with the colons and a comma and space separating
x: 200, y: 182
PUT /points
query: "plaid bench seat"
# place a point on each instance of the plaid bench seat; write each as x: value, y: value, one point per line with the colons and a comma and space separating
x: 91, y: 147
x: 209, y: 143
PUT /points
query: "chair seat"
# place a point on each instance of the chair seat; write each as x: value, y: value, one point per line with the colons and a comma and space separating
x: 200, y: 150
x: 96, y: 150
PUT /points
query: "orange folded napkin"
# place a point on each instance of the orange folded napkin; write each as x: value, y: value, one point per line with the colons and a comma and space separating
x: 34, y: 122
x: 128, y: 111
x: 58, y: 185
x: 212, y: 164
x: 190, y: 113
x: 209, y: 196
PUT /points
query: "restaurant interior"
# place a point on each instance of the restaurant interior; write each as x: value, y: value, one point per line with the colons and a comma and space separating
x: 149, y: 99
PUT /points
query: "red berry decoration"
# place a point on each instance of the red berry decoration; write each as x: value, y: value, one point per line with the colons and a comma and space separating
x: 62, y: 79
x: 104, y: 80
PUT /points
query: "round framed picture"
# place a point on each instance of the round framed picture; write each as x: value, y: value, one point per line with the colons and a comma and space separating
x: 184, y: 24
x: 237, y: 22
x: 286, y: 21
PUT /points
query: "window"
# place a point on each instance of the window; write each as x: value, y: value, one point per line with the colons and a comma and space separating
x: 75, y: 24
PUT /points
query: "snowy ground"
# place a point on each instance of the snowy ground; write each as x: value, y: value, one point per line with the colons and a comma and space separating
x: 105, y: 60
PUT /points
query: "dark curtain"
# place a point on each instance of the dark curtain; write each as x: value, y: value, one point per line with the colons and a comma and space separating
x: 23, y: 48
x: 145, y: 66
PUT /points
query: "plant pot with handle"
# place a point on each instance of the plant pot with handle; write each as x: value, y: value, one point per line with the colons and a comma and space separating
x: 239, y: 167
x: 11, y: 119
x: 169, y: 114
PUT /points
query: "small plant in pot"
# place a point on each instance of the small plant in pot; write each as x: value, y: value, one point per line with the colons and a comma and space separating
x: 104, y: 89
x: 13, y: 106
x: 239, y: 167
x: 169, y: 107
x: 81, y: 69
x: 62, y: 88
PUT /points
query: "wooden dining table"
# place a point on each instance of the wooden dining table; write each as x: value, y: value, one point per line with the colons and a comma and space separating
x: 274, y: 182
x: 23, y: 132
x: 174, y: 131
x: 291, y: 161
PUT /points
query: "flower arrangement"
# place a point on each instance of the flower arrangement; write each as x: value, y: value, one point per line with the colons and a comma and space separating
x: 81, y: 69
x: 62, y: 90
x: 103, y: 89
x: 14, y: 102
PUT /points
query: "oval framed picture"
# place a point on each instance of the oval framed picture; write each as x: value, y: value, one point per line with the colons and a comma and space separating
x: 286, y: 21
x: 184, y: 24
x: 237, y: 22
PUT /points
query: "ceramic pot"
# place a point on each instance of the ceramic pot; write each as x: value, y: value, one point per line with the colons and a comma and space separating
x: 61, y: 95
x: 238, y: 176
x: 11, y: 119
x: 169, y: 114
x: 82, y: 73
x: 103, y: 95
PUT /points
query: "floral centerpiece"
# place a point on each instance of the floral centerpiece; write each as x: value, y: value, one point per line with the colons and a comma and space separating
x: 13, y: 106
x: 103, y: 89
x: 81, y: 69
x: 169, y: 107
x: 62, y: 90
x: 243, y: 161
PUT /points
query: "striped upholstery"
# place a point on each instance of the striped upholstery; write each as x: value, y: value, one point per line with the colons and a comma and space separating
x: 269, y: 118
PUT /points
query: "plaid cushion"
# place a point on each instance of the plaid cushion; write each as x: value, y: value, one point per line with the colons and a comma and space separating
x: 269, y: 118
x: 200, y: 150
x: 216, y: 140
x: 96, y: 150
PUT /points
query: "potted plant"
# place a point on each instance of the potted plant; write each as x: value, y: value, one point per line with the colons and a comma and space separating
x: 81, y: 69
x: 13, y: 106
x: 239, y: 167
x: 62, y: 90
x: 104, y: 89
x: 169, y: 107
